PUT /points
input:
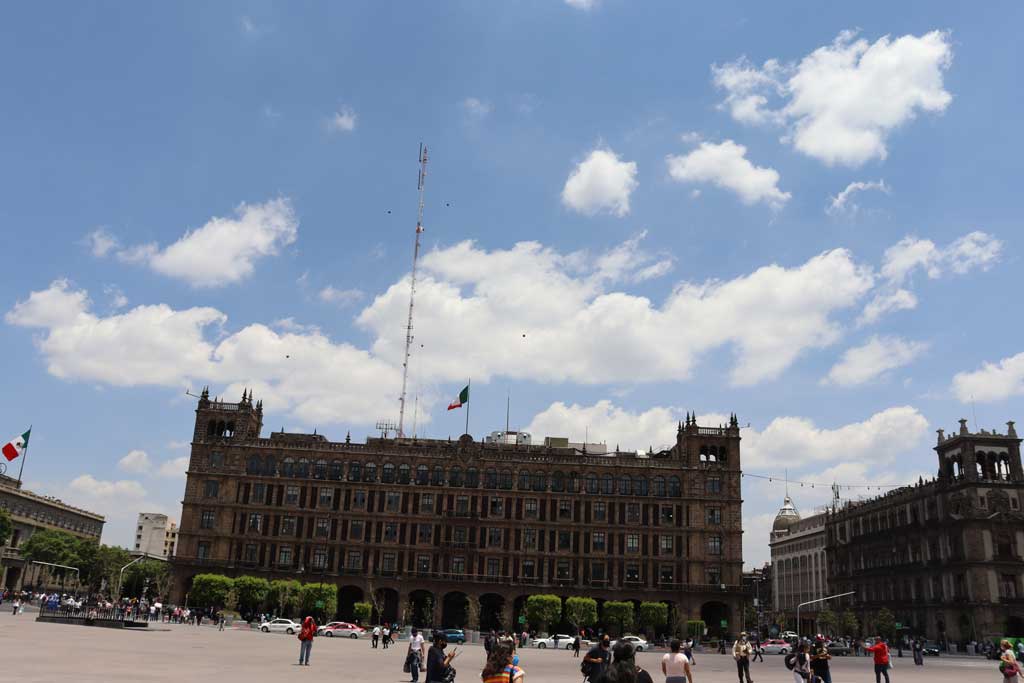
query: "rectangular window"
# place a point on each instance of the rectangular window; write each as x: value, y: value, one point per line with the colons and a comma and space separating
x: 562, y: 570
x: 354, y: 560
x: 208, y: 519
x: 323, y: 527
x: 564, y: 540
x: 427, y: 503
x: 392, y: 501
x: 389, y: 561
x: 715, y: 575
x: 284, y: 556
x: 291, y: 495
x: 530, y: 508
x: 632, y: 543
x: 255, y: 521
x: 216, y: 460
x: 425, y: 533
x: 633, y: 573
x: 319, y: 557
x: 714, y: 545
x: 250, y: 553
x: 203, y: 550
x: 423, y: 564
x: 211, y: 487
x: 390, y: 531
x: 359, y: 500
x: 713, y: 485
x: 459, y: 565
x: 714, y: 515
x: 259, y: 494
x: 326, y: 496
x: 633, y: 513
x: 666, y: 574
x: 598, y: 571
x: 462, y: 505
x: 597, y: 543
x: 493, y: 567
x: 497, y: 508
x: 565, y: 509
x: 356, y: 530
x: 667, y: 544
x: 494, y: 536
x: 529, y: 569
x: 600, y: 512
x: 529, y: 539
x: 461, y: 535
x: 667, y: 514
x: 287, y: 526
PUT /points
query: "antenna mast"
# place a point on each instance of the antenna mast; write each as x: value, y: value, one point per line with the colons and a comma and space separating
x: 412, y: 289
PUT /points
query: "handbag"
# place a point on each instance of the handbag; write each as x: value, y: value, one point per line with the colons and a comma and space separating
x: 407, y: 666
x: 449, y: 675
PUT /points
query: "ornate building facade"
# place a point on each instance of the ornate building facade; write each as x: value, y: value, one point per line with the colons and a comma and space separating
x: 799, y: 565
x: 945, y: 556
x: 450, y: 533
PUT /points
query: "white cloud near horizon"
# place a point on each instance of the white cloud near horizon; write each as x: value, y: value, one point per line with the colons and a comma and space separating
x: 992, y: 382
x: 726, y: 165
x: 601, y: 183
x: 840, y: 103
x: 136, y: 461
x: 340, y: 297
x: 872, y: 360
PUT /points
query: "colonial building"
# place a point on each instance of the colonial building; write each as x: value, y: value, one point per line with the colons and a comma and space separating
x: 31, y: 512
x: 799, y: 565
x: 453, y: 533
x: 155, y: 535
x: 945, y: 556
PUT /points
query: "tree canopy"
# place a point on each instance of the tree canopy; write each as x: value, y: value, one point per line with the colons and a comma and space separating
x: 653, y: 615
x: 542, y: 610
x: 620, y: 613
x: 581, y: 611
x: 318, y: 600
x: 210, y: 590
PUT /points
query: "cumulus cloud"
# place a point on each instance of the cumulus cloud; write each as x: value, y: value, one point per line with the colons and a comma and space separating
x: 101, y: 242
x: 872, y: 360
x: 608, y: 423
x: 844, y: 203
x: 585, y: 5
x: 135, y: 461
x: 477, y: 108
x: 601, y: 183
x: 992, y: 382
x: 726, y: 165
x: 886, y: 302
x: 224, y: 250
x: 342, y: 121
x: 174, y: 469
x: 340, y: 297
x: 841, y: 102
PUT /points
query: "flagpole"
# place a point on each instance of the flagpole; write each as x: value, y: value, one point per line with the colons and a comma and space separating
x: 468, y: 391
x: 24, y: 457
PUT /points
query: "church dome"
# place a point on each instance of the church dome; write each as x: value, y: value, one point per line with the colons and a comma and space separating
x: 787, y: 517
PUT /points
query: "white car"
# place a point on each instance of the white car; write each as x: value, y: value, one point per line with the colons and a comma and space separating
x: 564, y: 642
x: 281, y: 626
x: 638, y: 643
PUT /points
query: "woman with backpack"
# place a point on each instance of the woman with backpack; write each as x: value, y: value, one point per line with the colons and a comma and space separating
x: 501, y: 666
x: 1008, y: 665
x: 799, y: 663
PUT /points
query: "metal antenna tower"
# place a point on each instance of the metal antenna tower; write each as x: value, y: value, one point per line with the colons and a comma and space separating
x: 421, y: 184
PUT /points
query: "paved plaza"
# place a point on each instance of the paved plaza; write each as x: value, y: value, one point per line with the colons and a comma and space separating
x: 45, y: 653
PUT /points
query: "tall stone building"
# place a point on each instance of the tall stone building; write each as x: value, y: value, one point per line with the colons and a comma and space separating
x: 799, y: 565
x: 945, y: 556
x: 155, y: 535
x: 451, y: 533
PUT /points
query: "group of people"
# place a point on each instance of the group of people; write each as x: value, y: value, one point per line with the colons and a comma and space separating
x: 382, y: 635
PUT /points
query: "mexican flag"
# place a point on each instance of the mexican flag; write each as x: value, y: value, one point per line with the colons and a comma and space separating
x: 16, y: 446
x: 457, y: 403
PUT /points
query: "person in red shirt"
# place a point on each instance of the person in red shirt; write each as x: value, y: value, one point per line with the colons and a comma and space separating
x: 881, y: 653
x: 306, y: 636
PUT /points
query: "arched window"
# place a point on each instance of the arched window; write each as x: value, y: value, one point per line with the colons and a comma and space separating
x: 592, y: 483
x: 211, y: 429
x: 675, y: 489
x: 388, y: 473
x: 574, y: 482
x: 472, y: 478
x: 320, y: 469
x: 505, y: 479
x: 524, y: 480
x: 254, y: 465
x: 437, y: 476
x: 335, y: 470
x: 639, y: 486
x: 540, y: 481
x: 355, y: 471
x: 625, y: 485
x: 288, y: 468
x: 370, y: 472
x: 404, y: 473
x: 607, y: 485
x: 270, y: 466
x: 302, y: 468
x: 455, y: 476
x: 659, y: 487
x: 558, y: 481
x: 491, y: 478
x: 422, y: 475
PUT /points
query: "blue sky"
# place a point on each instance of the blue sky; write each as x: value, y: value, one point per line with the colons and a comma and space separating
x: 805, y: 216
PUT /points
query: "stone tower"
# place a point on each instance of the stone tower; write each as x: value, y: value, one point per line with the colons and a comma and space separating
x: 982, y: 456
x: 216, y: 419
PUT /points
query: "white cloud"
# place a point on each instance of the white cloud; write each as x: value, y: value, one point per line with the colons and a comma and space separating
x: 342, y: 121
x: 89, y: 486
x: 136, y: 462
x: 117, y: 298
x: 101, y: 242
x: 841, y: 102
x: 477, y: 108
x: 340, y: 297
x: 974, y: 250
x: 872, y: 360
x: 608, y: 423
x: 174, y: 469
x: 726, y: 165
x: 601, y: 183
x: 887, y: 302
x: 585, y: 5
x: 843, y: 202
x: 992, y: 382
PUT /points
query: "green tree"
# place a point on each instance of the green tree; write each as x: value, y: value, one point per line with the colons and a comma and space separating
x: 581, y: 612
x: 828, y: 620
x: 542, y: 610
x: 620, y: 613
x: 250, y: 592
x: 6, y: 527
x: 55, y: 547
x: 653, y: 615
x: 151, y: 576
x: 849, y: 624
x: 210, y: 590
x: 319, y: 600
x: 362, y: 611
x: 101, y: 566
x: 885, y: 623
x: 283, y: 597
x: 695, y: 628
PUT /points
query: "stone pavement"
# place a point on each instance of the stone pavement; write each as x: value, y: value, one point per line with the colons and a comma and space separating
x: 46, y: 653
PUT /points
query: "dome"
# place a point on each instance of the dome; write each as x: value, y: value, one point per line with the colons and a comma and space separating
x: 787, y: 516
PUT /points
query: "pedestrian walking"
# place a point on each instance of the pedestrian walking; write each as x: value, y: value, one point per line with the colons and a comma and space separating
x: 758, y: 651
x: 1008, y: 665
x: 820, y: 658
x: 385, y: 636
x: 688, y: 651
x: 306, y: 635
x: 501, y: 667
x: 576, y: 645
x: 16, y: 604
x: 375, y: 637
x: 880, y: 651
x: 916, y: 650
x: 439, y: 664
x: 676, y: 665
x: 801, y: 662
x: 414, y: 657
x: 741, y: 651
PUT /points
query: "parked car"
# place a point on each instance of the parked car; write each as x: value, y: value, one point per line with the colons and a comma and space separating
x: 838, y: 648
x: 788, y: 635
x: 776, y: 647
x: 281, y: 626
x: 564, y: 642
x: 455, y: 636
x: 342, y: 629
x: 930, y: 649
x: 638, y: 643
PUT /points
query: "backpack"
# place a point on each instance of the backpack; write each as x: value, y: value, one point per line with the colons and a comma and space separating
x: 790, y: 661
x: 586, y: 668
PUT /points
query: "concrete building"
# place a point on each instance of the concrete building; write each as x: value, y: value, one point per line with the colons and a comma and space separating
x: 31, y: 512
x: 155, y: 535
x: 456, y: 533
x: 945, y: 556
x: 799, y: 565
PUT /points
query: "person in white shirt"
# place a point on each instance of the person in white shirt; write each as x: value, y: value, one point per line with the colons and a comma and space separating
x: 376, y: 636
x: 676, y: 665
x: 416, y: 656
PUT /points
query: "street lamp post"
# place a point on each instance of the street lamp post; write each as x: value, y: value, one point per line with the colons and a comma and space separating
x: 811, y: 602
x: 120, y: 575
